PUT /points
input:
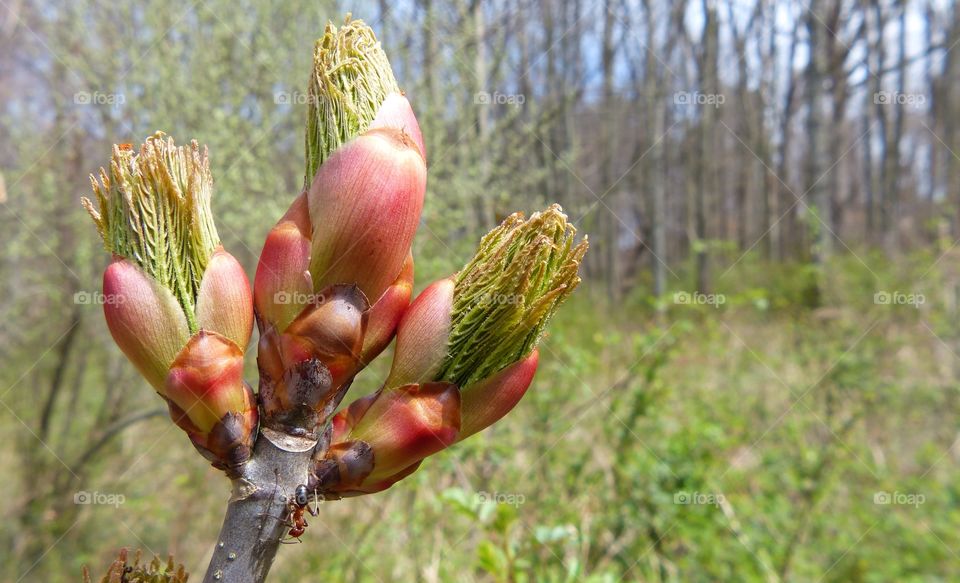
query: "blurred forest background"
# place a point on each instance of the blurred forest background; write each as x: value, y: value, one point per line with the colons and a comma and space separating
x: 757, y: 380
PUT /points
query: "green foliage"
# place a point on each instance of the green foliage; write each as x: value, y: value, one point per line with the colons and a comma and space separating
x: 503, y: 298
x: 153, y: 209
x: 734, y: 444
x: 351, y: 78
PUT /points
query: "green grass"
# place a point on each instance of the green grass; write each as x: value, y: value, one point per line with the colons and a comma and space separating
x: 782, y: 421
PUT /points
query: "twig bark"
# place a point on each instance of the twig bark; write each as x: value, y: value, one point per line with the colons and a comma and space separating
x: 257, y: 513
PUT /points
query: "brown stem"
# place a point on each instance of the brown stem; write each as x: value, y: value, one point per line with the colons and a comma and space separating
x: 256, y: 518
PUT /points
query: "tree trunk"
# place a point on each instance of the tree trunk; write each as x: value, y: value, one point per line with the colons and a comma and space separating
x: 606, y: 163
x: 813, y: 186
x: 657, y: 107
x: 706, y: 178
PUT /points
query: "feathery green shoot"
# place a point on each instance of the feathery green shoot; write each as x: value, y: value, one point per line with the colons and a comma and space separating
x: 351, y: 78
x: 153, y: 209
x: 522, y: 271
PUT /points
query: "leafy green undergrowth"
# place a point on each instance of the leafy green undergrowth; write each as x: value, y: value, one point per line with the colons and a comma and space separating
x: 764, y: 439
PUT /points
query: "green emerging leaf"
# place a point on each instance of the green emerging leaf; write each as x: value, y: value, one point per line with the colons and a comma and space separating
x: 522, y: 271
x: 154, y: 209
x: 351, y: 79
